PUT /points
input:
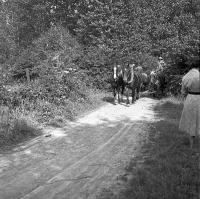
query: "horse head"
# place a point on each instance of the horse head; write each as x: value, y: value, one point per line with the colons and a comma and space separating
x: 128, y: 74
x: 153, y: 77
x: 144, y: 78
x: 139, y: 69
x: 118, y: 72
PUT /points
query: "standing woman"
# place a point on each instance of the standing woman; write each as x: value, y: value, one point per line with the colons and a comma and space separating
x: 190, y: 118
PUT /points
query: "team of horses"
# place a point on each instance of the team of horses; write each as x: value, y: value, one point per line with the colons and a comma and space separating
x: 129, y: 78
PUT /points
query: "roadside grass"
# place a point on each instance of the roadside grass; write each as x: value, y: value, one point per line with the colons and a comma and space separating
x: 166, y: 168
x: 77, y: 108
x: 28, y: 120
x: 21, y: 127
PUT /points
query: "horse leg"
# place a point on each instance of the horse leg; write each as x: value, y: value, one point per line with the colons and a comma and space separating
x: 143, y: 87
x: 133, y: 95
x: 161, y: 90
x: 137, y: 92
x: 158, y: 91
x: 115, y: 94
x: 122, y: 92
x: 127, y: 96
x: 118, y: 93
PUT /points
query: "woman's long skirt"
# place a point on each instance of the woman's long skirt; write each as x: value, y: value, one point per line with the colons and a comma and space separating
x: 190, y: 118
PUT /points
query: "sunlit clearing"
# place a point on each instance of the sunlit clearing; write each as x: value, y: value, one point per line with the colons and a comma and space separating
x: 140, y: 110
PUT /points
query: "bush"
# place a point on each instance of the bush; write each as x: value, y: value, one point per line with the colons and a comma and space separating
x: 21, y: 127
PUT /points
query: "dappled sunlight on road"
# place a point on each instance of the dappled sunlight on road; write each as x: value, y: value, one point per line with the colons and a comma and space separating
x: 140, y: 110
x: 110, y: 115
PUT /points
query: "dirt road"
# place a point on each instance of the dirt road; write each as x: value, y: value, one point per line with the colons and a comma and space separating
x: 77, y: 161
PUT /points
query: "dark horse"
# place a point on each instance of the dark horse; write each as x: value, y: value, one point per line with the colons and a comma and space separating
x: 118, y: 83
x: 158, y: 83
x: 133, y: 82
x: 162, y: 82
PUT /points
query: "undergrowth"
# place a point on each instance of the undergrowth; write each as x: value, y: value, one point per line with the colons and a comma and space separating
x: 30, y: 109
x: 21, y: 127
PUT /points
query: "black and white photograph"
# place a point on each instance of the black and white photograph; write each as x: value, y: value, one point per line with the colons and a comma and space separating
x: 99, y: 99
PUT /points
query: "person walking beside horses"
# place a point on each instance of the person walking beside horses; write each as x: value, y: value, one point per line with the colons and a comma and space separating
x: 161, y: 65
x: 161, y: 79
x: 190, y: 118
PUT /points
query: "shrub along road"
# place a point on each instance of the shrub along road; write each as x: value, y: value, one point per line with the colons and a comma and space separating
x: 81, y: 159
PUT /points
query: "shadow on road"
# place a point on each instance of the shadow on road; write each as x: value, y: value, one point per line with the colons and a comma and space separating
x: 165, y: 166
x: 109, y: 99
x: 18, y: 141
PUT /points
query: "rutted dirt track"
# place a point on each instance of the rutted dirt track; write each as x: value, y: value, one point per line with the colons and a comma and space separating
x: 79, y: 160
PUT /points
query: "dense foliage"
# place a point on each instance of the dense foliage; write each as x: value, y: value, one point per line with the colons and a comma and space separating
x: 121, y: 28
x: 49, y: 37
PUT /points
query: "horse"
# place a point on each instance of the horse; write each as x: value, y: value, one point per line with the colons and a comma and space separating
x: 132, y: 80
x: 153, y: 81
x: 157, y: 82
x: 145, y: 82
x: 162, y: 82
x: 118, y: 83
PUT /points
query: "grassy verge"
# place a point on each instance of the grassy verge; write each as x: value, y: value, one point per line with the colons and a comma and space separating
x: 21, y: 127
x: 166, y: 168
x: 74, y: 109
x: 27, y: 120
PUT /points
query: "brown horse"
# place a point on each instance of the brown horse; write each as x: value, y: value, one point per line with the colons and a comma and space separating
x: 133, y: 82
x: 118, y: 83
